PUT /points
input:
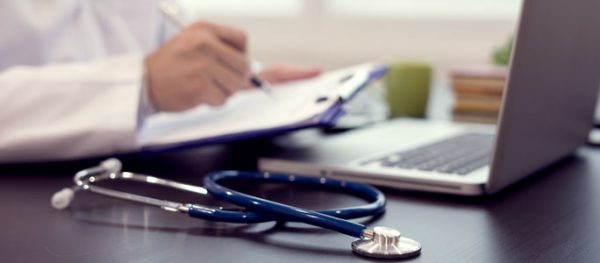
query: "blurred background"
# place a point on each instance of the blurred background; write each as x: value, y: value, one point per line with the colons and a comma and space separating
x: 441, y: 34
x: 466, y: 43
x: 334, y: 33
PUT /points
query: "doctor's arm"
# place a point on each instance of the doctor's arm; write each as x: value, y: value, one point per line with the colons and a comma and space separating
x: 84, y: 109
x: 71, y: 110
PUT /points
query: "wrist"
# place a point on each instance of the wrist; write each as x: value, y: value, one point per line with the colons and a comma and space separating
x: 146, y: 106
x: 147, y: 96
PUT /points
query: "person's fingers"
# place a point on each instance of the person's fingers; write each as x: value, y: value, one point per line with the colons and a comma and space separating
x: 213, y: 95
x: 232, y: 58
x: 227, y: 79
x: 211, y: 46
x: 204, y: 64
x: 283, y: 73
x: 232, y: 36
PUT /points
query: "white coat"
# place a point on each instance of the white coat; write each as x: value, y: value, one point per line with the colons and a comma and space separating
x: 71, y: 74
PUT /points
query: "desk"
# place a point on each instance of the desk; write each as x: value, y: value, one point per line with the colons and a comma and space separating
x: 550, y: 217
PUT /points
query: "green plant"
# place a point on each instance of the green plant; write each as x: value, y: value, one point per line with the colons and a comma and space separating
x: 501, y: 55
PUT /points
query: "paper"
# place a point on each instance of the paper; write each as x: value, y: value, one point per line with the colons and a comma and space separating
x: 252, y: 110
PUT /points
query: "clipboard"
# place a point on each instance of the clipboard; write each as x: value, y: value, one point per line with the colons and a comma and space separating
x: 316, y: 102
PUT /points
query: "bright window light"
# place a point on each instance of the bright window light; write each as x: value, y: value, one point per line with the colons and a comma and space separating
x: 444, y: 9
x: 253, y: 8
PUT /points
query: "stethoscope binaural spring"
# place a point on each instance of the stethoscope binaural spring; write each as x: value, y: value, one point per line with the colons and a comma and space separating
x: 379, y: 242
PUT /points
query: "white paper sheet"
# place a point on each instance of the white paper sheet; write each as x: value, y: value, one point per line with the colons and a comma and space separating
x: 251, y: 110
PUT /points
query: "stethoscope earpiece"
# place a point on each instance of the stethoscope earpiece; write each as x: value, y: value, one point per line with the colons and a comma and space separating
x: 112, y: 165
x: 62, y: 199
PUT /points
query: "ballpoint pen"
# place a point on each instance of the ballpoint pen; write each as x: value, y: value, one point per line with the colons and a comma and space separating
x: 171, y: 12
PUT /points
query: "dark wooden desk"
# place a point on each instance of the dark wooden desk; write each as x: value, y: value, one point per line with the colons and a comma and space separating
x: 551, y: 217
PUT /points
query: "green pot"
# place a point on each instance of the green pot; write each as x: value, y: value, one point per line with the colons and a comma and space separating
x: 407, y: 89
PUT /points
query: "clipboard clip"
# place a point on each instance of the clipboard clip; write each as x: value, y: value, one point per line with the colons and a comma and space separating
x: 351, y: 84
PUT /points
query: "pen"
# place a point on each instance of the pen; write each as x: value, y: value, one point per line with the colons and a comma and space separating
x: 172, y: 13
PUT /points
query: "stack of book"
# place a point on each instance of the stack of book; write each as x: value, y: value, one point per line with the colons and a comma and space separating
x: 478, y: 94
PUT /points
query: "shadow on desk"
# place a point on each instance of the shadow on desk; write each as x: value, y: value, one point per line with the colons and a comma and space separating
x: 140, y: 218
x: 549, y: 217
x: 544, y: 218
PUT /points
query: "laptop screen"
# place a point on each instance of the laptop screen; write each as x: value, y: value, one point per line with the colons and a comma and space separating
x: 552, y: 88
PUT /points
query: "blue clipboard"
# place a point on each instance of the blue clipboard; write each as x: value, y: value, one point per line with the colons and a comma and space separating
x: 328, y: 118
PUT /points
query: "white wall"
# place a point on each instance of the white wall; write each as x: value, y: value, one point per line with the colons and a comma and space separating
x: 336, y: 42
x: 330, y: 34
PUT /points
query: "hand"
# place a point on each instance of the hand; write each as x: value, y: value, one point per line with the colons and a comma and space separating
x: 205, y: 64
x: 283, y: 73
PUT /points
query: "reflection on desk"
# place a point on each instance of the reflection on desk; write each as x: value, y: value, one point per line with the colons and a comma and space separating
x: 550, y: 217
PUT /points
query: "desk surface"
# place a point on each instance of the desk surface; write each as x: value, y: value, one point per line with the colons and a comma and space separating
x: 550, y: 217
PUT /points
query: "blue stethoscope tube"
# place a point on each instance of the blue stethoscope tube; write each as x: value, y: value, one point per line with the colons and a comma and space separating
x: 261, y: 210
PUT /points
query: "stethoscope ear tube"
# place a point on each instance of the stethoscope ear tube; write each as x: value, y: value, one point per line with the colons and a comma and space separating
x: 284, y: 212
x: 224, y: 215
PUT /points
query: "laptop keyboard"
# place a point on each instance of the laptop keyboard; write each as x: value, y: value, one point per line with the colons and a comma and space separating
x: 460, y: 155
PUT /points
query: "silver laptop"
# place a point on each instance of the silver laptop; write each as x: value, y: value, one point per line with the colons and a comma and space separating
x: 547, y: 113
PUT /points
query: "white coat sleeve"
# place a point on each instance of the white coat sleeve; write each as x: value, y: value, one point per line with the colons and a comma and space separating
x: 72, y: 110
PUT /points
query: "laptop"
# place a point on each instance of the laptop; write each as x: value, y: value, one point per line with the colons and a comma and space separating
x: 547, y: 112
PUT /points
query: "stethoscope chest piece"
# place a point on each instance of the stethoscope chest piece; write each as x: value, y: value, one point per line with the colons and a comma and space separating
x: 386, y: 243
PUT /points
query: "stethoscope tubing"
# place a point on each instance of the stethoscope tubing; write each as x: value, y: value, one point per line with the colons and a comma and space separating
x: 269, y: 210
x: 379, y: 242
x: 254, y: 209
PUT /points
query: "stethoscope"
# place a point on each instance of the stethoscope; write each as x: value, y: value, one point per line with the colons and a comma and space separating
x: 379, y: 242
